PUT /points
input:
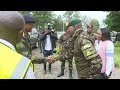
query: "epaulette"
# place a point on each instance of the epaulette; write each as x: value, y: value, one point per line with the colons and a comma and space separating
x: 84, y: 35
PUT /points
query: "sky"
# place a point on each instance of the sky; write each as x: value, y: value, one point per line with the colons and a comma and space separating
x: 99, y: 15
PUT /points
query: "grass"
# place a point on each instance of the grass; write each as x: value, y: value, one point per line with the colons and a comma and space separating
x: 117, y: 57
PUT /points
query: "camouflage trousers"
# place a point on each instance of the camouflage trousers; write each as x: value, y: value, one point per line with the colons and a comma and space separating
x: 69, y: 62
x: 96, y: 76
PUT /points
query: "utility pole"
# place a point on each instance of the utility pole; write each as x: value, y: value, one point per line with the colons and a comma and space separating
x: 63, y: 26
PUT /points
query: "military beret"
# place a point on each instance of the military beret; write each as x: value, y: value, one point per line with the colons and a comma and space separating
x: 29, y: 19
x: 74, y: 21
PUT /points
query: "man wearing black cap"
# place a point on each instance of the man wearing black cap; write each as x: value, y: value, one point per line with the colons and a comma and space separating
x: 24, y: 46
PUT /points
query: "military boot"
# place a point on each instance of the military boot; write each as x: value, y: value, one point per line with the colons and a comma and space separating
x: 50, y: 69
x: 61, y: 73
x: 70, y: 74
x: 45, y: 72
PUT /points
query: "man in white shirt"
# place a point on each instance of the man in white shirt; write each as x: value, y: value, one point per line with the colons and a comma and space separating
x: 49, y: 38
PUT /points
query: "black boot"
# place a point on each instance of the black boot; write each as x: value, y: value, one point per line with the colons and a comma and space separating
x: 45, y: 72
x: 61, y: 73
x: 70, y: 74
x: 50, y: 69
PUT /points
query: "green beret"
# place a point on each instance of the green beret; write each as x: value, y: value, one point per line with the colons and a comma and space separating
x: 74, y: 21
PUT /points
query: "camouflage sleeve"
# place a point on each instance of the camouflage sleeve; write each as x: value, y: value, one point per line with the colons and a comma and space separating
x: 36, y: 60
x: 66, y: 52
x: 91, y: 55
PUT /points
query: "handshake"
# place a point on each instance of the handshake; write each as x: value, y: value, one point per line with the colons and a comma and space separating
x: 51, y: 59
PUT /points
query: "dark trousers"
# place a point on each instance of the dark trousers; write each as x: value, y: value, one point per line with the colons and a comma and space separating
x: 102, y: 76
x: 70, y: 64
x: 46, y: 54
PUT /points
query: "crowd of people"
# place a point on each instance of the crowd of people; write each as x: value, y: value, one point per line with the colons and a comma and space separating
x: 93, y: 52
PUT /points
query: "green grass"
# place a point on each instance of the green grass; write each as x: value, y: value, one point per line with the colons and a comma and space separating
x: 117, y: 57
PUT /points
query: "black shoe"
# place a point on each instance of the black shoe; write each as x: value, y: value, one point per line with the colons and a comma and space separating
x: 50, y: 71
x: 61, y: 73
x: 70, y: 74
x: 45, y: 72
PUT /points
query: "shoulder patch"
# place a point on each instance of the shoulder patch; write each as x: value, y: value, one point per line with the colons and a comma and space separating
x: 88, y: 53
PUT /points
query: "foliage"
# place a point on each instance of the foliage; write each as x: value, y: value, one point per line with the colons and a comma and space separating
x: 71, y: 14
x: 113, y: 21
x: 58, y: 23
x: 76, y: 14
x: 42, y: 17
x: 116, y: 57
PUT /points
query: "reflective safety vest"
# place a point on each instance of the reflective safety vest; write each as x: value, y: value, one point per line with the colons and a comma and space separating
x: 12, y: 64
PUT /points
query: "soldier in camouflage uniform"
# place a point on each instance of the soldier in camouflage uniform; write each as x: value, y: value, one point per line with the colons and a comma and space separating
x: 90, y: 32
x: 24, y: 46
x: 63, y: 41
x: 88, y: 63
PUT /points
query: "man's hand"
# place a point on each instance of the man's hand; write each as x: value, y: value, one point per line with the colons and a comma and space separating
x: 47, y: 32
x: 50, y: 59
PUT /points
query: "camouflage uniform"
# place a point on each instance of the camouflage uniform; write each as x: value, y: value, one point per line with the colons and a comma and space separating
x: 93, y: 37
x: 63, y: 41
x: 87, y: 62
x: 24, y: 48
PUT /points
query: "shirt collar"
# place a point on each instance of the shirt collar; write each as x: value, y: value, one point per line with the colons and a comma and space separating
x: 7, y: 44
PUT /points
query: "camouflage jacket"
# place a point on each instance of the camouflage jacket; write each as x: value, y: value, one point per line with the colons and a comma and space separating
x: 82, y: 48
x: 88, y: 62
x: 93, y: 37
x: 64, y: 49
x: 24, y: 48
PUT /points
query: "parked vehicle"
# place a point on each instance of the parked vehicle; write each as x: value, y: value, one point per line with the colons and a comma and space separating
x: 34, y: 38
x: 59, y: 34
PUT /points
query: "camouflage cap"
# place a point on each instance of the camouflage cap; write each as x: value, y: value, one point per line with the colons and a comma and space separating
x: 89, y: 24
x: 74, y: 21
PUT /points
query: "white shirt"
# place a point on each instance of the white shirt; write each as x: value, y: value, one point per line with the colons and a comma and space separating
x: 29, y: 73
x: 48, y: 45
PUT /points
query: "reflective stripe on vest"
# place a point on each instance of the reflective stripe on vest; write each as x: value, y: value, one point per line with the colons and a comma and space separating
x: 19, y: 71
x: 12, y: 64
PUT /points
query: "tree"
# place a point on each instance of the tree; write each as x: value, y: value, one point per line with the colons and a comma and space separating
x: 24, y: 12
x: 112, y: 21
x: 76, y: 14
x: 85, y: 20
x: 58, y: 23
x: 42, y: 17
x: 71, y: 14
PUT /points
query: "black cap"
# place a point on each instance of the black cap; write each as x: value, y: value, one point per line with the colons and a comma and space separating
x: 29, y: 19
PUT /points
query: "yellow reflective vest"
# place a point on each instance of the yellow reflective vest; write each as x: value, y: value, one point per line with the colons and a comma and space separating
x: 12, y: 64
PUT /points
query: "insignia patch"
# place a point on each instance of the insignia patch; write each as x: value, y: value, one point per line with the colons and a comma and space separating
x: 88, y: 53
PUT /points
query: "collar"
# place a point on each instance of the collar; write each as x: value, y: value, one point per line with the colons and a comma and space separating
x: 76, y: 34
x: 7, y: 44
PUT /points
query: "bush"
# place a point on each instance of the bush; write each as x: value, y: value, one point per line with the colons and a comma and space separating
x: 116, y: 57
x: 117, y: 61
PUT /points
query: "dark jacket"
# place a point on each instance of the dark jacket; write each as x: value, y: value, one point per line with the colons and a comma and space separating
x: 53, y: 38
